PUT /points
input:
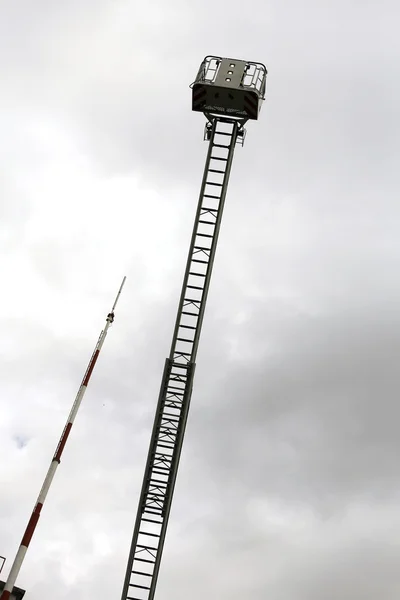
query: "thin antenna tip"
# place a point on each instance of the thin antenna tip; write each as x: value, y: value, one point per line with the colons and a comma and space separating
x: 119, y: 293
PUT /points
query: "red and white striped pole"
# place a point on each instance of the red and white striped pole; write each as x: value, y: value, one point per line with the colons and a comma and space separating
x: 30, y: 529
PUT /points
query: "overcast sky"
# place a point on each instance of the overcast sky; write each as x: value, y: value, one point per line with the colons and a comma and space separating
x: 288, y: 487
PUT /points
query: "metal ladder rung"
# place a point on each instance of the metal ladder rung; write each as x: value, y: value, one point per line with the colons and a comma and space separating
x: 168, y: 435
x: 141, y: 587
x: 194, y: 287
x: 173, y: 399
x: 166, y: 430
x: 201, y: 248
x: 206, y: 235
x: 175, y: 390
x: 155, y: 499
x: 168, y: 422
x: 171, y: 417
x: 211, y: 196
x: 156, y: 491
x: 187, y: 312
x: 163, y: 460
x: 197, y: 260
x: 202, y: 262
x: 162, y: 456
x: 220, y: 146
x: 171, y: 403
x: 143, y: 573
x: 161, y: 467
x: 165, y: 434
x: 149, y: 534
x: 164, y: 445
x: 206, y: 222
x: 185, y: 340
x: 206, y: 209
x: 151, y: 521
x: 153, y: 493
x: 187, y: 326
x: 152, y: 509
x: 196, y: 274
x: 174, y: 403
x: 145, y: 560
x: 216, y: 171
x: 175, y: 376
x: 178, y: 379
x: 165, y: 399
x: 213, y: 183
x: 218, y: 158
x: 156, y: 471
x: 157, y: 481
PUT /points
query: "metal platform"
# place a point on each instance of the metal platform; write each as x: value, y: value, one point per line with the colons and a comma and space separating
x: 229, y: 87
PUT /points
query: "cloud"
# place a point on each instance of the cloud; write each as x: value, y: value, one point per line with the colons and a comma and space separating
x: 288, y: 484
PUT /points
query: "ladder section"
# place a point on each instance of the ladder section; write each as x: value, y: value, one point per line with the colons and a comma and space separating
x: 177, y: 381
x: 159, y: 481
x: 223, y: 135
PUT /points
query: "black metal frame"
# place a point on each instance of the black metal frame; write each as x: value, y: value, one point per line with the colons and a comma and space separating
x: 176, y: 386
x: 259, y: 68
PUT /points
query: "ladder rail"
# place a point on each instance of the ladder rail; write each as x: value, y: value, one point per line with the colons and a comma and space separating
x: 177, y: 380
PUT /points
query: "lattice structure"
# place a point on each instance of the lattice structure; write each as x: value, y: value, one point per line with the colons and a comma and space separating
x: 176, y: 386
x: 222, y: 132
x: 8, y: 590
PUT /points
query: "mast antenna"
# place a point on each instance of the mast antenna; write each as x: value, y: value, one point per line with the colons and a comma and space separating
x: 33, y: 521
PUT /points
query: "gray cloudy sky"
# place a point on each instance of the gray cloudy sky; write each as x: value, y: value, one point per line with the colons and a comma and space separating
x: 289, y: 481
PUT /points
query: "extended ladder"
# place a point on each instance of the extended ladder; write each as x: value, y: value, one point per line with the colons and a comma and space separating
x: 176, y: 386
